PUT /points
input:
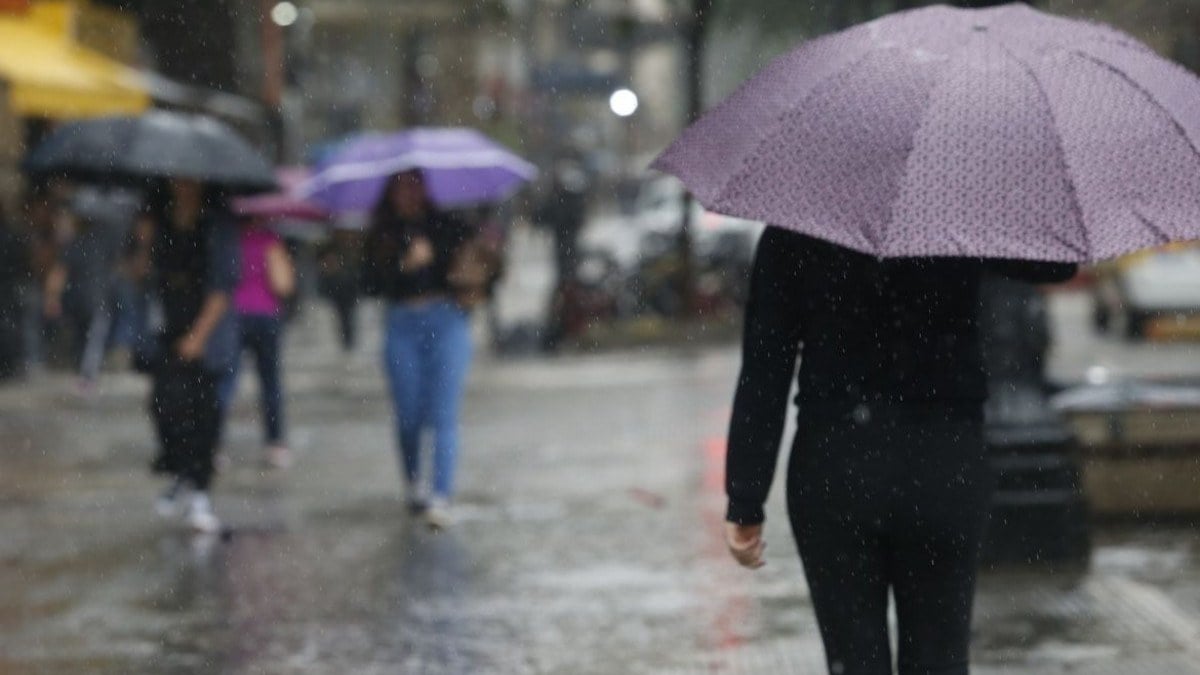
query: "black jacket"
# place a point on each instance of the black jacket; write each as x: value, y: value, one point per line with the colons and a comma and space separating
x: 387, y: 243
x: 883, y: 335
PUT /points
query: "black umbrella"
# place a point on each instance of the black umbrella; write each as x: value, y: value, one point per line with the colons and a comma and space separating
x: 159, y: 144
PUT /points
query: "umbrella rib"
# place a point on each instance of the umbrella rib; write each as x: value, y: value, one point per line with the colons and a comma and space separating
x: 1152, y: 226
x: 881, y: 244
x: 664, y: 162
x: 1060, y: 146
x: 743, y: 168
x: 1122, y: 75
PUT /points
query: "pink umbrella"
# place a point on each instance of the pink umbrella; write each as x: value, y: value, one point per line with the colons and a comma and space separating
x: 1003, y: 132
x: 283, y: 205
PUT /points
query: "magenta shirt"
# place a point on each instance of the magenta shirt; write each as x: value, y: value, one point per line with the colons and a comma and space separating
x: 253, y: 295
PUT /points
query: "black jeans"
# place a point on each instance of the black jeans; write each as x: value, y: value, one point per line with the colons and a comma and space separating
x: 187, y: 418
x: 895, y: 504
x: 347, y: 317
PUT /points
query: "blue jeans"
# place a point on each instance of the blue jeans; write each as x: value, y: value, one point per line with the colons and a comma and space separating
x: 130, y: 303
x: 260, y: 335
x: 427, y: 354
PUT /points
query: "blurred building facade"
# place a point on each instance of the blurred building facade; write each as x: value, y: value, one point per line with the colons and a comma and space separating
x: 579, y: 53
x: 385, y: 64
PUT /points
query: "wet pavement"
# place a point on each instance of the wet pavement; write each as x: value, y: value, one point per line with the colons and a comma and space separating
x: 589, y: 541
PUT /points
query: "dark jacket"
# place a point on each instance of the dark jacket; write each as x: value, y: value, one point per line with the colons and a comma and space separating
x: 874, y: 337
x: 190, y: 266
x: 387, y: 243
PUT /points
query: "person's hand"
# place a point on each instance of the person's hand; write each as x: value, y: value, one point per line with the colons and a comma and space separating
x: 746, y: 544
x: 420, y: 255
x: 190, y: 348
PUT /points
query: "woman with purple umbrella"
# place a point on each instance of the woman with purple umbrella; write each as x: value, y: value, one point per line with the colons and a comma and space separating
x: 428, y: 267
x: 410, y: 252
x: 906, y: 157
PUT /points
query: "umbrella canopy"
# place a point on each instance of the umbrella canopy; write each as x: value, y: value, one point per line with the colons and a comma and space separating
x: 286, y: 204
x: 1001, y: 132
x: 461, y: 167
x: 158, y: 144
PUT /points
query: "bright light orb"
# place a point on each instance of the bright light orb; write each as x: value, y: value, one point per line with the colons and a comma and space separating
x: 285, y: 14
x: 623, y: 102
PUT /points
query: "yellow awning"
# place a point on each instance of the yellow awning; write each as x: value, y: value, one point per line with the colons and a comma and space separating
x: 49, y: 76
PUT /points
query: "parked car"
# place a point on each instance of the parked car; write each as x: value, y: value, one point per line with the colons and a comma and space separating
x: 639, y: 251
x: 1135, y: 290
x: 659, y: 209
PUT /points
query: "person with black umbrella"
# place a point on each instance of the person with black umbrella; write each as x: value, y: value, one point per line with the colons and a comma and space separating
x: 193, y: 163
x: 195, y: 262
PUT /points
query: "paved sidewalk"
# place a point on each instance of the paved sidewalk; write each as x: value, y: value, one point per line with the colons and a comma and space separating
x: 589, y: 542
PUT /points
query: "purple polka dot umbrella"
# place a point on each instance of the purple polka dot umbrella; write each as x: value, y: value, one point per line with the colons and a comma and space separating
x: 1002, y: 133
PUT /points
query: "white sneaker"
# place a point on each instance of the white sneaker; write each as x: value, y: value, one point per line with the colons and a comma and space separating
x: 170, y: 502
x: 416, y: 498
x: 200, y: 516
x: 278, y: 457
x: 437, y: 514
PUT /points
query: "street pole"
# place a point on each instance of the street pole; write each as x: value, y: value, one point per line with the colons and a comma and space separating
x: 274, y: 57
x: 696, y: 29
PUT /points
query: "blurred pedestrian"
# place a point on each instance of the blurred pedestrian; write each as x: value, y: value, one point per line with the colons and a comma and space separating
x: 195, y: 261
x: 268, y: 279
x: 493, y: 223
x: 86, y: 275
x: 132, y: 294
x: 44, y: 251
x: 564, y: 212
x: 339, y: 279
x: 410, y: 256
x: 889, y: 484
x: 14, y: 273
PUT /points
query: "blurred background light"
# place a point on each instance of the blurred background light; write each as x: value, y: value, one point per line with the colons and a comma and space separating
x: 285, y: 14
x: 623, y: 102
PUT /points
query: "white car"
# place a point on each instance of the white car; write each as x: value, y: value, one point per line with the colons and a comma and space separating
x: 1136, y: 289
x: 659, y: 209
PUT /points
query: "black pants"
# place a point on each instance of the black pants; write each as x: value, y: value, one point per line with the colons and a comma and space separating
x: 187, y: 417
x: 896, y: 505
x: 346, y: 307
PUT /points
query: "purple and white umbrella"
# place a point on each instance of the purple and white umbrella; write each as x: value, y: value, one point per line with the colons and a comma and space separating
x: 1001, y: 132
x: 461, y: 166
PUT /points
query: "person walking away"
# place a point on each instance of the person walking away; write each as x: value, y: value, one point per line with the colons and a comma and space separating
x: 195, y: 264
x: 85, y: 277
x: 410, y: 257
x: 564, y: 211
x: 339, y: 282
x: 268, y: 279
x: 131, y: 294
x: 888, y: 486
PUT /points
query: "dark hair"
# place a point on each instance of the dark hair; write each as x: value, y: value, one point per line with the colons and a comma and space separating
x: 383, y: 215
x: 158, y: 200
